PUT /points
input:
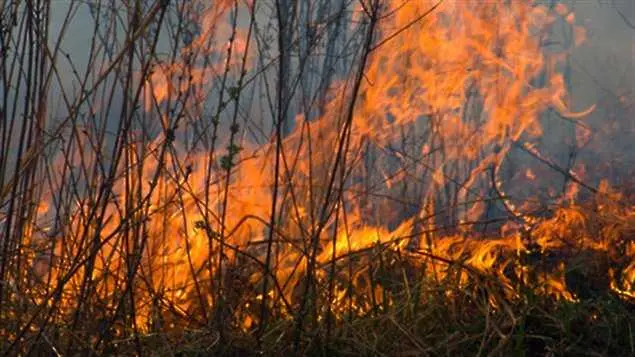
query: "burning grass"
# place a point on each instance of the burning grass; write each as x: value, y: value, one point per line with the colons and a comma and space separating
x: 561, y: 287
x: 421, y: 320
x: 402, y: 201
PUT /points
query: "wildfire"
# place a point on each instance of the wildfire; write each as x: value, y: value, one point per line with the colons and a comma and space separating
x: 444, y: 102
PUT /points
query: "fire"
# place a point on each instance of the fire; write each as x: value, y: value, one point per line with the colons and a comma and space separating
x: 441, y: 107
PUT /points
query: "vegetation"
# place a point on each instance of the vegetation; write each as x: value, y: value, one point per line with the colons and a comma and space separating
x: 323, y: 177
